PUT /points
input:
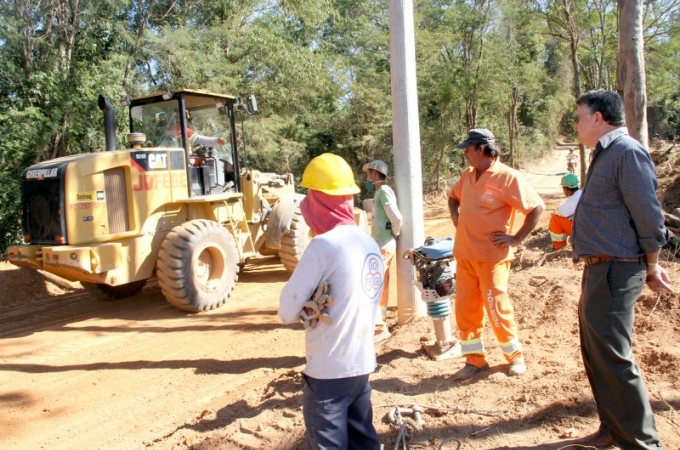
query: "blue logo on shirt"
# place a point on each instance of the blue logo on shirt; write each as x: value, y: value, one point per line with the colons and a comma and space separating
x: 372, y: 275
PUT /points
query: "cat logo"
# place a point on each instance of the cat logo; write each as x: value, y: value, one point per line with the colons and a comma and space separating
x: 145, y: 161
x: 158, y: 161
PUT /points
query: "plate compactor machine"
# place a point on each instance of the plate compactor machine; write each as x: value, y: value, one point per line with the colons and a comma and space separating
x: 180, y: 205
x: 435, y: 277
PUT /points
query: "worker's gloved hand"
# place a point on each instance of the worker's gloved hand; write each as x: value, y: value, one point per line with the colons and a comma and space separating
x: 312, y: 310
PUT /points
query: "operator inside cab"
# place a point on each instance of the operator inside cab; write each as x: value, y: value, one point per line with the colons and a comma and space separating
x: 174, y: 132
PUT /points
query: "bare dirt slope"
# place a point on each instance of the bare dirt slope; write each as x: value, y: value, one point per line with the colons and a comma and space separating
x: 82, y: 373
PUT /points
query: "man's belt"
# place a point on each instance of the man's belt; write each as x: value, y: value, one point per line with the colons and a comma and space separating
x: 597, y: 259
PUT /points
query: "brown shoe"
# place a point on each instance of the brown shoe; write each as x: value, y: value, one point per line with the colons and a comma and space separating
x: 599, y: 439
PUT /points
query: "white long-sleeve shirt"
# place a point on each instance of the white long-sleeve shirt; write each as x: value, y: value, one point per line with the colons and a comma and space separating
x: 567, y: 208
x: 349, y: 260
x: 206, y: 141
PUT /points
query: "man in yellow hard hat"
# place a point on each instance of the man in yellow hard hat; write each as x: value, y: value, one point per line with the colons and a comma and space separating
x: 340, y: 351
x: 561, y: 223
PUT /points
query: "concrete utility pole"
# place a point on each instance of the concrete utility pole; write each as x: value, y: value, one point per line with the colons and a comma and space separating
x: 407, y: 165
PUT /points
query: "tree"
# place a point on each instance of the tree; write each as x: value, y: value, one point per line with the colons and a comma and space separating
x: 320, y: 70
x: 631, y: 72
x: 662, y: 47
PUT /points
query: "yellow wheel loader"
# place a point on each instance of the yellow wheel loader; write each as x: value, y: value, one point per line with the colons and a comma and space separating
x: 179, y: 205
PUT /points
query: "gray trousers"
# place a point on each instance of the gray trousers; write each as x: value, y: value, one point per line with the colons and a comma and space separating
x: 606, y: 314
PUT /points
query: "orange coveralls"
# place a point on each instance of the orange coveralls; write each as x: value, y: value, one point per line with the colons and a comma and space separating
x: 560, y: 230
x: 487, y: 205
x: 561, y: 223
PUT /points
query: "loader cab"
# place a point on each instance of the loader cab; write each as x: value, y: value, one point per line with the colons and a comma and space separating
x: 200, y: 123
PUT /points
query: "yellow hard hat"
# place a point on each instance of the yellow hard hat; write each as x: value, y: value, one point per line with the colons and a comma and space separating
x: 330, y: 174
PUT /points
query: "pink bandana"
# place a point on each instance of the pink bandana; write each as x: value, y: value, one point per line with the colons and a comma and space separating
x: 323, y: 212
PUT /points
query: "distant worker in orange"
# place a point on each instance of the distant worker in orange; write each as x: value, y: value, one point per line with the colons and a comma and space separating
x: 484, y: 206
x: 561, y: 223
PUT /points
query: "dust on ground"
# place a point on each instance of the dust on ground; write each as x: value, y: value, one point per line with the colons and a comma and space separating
x: 76, y: 372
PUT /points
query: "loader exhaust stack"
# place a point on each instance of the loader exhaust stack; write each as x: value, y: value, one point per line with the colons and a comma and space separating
x: 109, y: 122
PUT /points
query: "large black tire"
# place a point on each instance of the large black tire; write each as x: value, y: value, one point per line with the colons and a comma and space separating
x: 114, y: 292
x: 197, y: 266
x: 294, y: 242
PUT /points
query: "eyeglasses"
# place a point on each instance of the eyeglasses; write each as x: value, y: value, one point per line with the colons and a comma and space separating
x: 577, y: 117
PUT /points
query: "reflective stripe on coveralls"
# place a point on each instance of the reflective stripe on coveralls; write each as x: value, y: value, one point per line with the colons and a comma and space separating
x: 558, y: 237
x: 474, y: 346
x: 481, y: 290
x: 510, y: 347
x: 560, y: 229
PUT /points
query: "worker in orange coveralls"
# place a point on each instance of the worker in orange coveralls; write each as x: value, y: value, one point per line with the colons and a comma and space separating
x: 561, y: 223
x: 484, y: 206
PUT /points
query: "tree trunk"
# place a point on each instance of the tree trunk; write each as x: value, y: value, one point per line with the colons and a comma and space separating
x: 574, y: 37
x: 512, y: 125
x: 631, y: 69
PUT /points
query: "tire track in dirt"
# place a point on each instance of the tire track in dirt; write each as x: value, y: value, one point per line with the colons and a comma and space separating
x: 48, y: 312
x: 55, y: 310
x: 75, y: 370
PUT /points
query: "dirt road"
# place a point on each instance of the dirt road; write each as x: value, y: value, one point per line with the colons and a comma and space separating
x: 545, y: 174
x: 81, y: 373
x: 77, y: 371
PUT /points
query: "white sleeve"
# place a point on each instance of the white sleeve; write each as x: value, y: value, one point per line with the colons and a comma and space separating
x: 392, y: 210
x: 303, y: 282
x: 395, y: 217
x: 205, y: 140
x: 568, y: 208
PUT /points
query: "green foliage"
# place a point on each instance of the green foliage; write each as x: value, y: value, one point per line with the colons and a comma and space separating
x: 10, y: 225
x: 662, y: 56
x: 486, y: 64
x: 321, y: 72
